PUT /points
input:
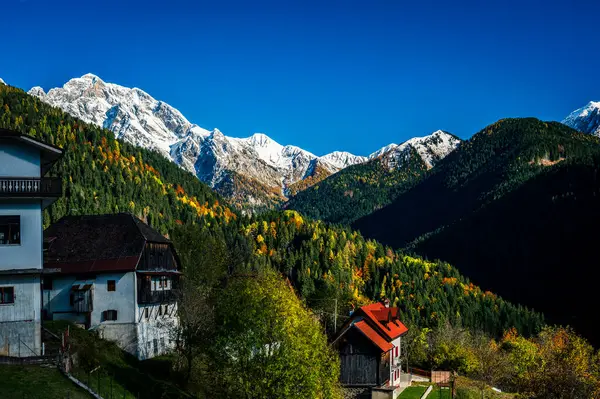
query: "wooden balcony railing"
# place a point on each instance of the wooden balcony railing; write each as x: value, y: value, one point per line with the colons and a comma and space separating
x: 147, y: 296
x: 19, y: 187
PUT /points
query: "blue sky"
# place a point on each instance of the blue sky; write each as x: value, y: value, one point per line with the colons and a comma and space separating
x: 323, y: 75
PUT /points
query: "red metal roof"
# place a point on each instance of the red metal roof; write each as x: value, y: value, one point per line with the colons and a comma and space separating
x: 373, y: 336
x: 385, y: 320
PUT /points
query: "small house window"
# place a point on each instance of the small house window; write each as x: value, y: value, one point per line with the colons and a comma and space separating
x: 47, y: 283
x: 111, y: 285
x: 146, y: 313
x: 10, y: 230
x: 160, y: 310
x: 7, y: 295
x: 109, y: 315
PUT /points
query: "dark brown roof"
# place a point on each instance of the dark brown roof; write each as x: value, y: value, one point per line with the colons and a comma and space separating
x: 83, y: 244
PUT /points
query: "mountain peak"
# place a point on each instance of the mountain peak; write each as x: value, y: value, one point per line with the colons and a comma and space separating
x: 585, y: 119
x: 2, y: 82
x: 90, y: 76
x: 37, y: 91
x: 261, y: 139
x: 135, y: 116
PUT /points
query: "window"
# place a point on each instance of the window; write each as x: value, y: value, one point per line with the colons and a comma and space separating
x: 155, y: 341
x: 10, y: 230
x: 396, y: 351
x: 111, y: 285
x: 7, y: 295
x: 161, y: 283
x: 160, y: 310
x: 162, y: 343
x: 47, y: 283
x: 109, y: 315
x: 146, y: 313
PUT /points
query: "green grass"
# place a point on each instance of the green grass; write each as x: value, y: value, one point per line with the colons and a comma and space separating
x: 30, y: 382
x: 117, y: 370
x: 413, y: 392
x: 439, y: 393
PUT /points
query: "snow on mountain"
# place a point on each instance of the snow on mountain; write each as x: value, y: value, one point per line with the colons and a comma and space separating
x: 342, y: 159
x: 2, y: 82
x: 219, y: 160
x: 135, y: 116
x: 431, y: 149
x: 585, y: 119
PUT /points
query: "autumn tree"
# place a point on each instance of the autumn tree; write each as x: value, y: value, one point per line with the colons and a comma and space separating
x: 268, y: 345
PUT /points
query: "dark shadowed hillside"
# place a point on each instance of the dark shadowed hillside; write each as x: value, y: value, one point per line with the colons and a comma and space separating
x: 515, y: 208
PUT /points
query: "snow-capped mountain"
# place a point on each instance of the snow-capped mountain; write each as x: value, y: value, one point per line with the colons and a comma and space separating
x: 255, y: 170
x: 431, y: 149
x: 135, y: 116
x: 585, y: 119
x: 2, y: 82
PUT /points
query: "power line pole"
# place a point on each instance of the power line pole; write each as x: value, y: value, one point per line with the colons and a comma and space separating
x: 335, y: 317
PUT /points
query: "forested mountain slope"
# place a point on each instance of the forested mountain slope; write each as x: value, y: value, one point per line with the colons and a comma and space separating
x: 360, y: 189
x: 323, y: 262
x: 537, y: 245
x: 515, y: 209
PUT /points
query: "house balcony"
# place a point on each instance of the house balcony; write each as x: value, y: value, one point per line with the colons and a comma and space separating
x: 146, y: 296
x: 22, y: 187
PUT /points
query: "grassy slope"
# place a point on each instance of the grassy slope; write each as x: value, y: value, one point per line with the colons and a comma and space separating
x: 37, y: 382
x: 413, y: 392
x: 148, y: 379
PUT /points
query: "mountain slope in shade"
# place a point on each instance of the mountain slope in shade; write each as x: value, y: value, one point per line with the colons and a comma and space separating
x: 265, y: 166
x: 361, y: 189
x: 585, y: 119
x: 514, y: 208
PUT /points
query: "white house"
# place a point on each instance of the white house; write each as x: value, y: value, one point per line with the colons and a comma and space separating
x: 24, y: 193
x: 116, y: 275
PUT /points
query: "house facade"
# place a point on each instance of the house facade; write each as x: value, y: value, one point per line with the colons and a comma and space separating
x: 370, y: 348
x: 24, y: 194
x: 116, y: 275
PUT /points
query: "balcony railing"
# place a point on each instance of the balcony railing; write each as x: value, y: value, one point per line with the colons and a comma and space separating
x: 12, y: 187
x: 146, y: 296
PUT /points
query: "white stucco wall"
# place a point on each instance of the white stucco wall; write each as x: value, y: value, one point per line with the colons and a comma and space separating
x: 19, y: 160
x: 27, y: 255
x: 20, y: 321
x: 395, y: 366
x: 122, y: 299
x: 132, y: 331
x: 156, y: 334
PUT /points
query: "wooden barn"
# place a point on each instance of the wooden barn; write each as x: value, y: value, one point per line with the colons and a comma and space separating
x: 370, y: 347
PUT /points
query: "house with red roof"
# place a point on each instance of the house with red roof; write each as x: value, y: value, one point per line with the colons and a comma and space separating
x: 113, y: 274
x: 370, y: 348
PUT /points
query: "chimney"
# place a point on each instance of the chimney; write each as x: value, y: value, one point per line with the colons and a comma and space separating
x: 386, y: 302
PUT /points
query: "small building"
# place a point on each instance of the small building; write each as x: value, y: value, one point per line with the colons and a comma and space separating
x: 370, y: 348
x: 116, y: 275
x: 24, y: 194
